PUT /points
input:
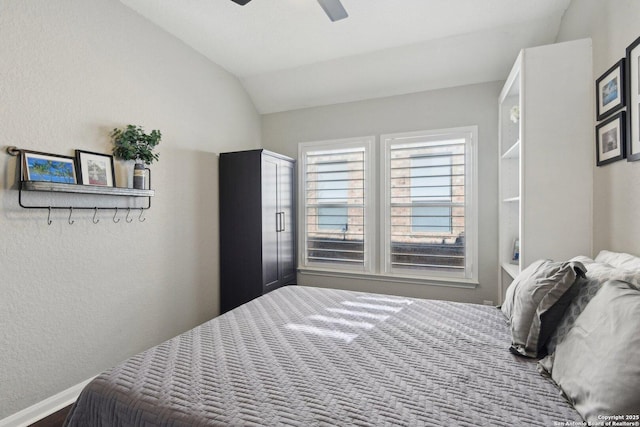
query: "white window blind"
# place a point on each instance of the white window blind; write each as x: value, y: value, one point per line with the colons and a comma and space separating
x: 424, y: 229
x: 334, y: 205
x: 426, y: 178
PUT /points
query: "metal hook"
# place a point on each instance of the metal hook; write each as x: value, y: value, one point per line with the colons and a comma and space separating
x: 95, y: 212
x: 14, y: 151
x: 128, y: 219
x: 71, y: 213
x: 140, y: 217
x: 49, y: 217
x: 114, y: 217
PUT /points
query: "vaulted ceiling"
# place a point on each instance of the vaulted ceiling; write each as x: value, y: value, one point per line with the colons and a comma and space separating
x: 289, y: 55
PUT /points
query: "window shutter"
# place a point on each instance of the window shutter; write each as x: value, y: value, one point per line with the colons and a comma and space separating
x: 426, y: 199
x: 335, y: 207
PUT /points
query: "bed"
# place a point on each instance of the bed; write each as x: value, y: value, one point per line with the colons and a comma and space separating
x: 303, y: 356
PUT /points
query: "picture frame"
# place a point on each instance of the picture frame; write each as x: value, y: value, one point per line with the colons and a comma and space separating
x: 95, y: 168
x: 515, y: 252
x: 610, y: 90
x: 38, y: 166
x: 633, y: 100
x: 610, y: 140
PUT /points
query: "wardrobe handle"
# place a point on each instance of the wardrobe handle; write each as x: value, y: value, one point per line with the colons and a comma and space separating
x: 280, y: 222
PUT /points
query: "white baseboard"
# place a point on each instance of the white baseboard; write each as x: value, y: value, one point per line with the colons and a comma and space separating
x: 44, y: 408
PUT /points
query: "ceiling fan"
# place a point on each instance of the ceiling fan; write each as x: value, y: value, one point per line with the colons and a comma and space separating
x: 333, y: 8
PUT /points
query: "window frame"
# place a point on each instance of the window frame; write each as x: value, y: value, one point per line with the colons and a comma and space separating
x: 470, y: 135
x: 377, y: 211
x: 370, y: 245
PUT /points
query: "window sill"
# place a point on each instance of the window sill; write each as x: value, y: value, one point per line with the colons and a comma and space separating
x: 431, y: 281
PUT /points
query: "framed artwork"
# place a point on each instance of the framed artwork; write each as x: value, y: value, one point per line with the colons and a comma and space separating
x: 48, y: 167
x: 610, y: 90
x: 633, y: 101
x: 515, y: 252
x: 610, y: 140
x: 95, y: 168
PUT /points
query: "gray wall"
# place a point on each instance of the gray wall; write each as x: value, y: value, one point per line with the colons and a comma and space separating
x: 77, y: 299
x: 438, y: 109
x: 612, y: 25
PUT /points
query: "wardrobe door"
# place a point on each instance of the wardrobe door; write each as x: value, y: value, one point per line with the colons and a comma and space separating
x: 286, y: 235
x: 240, y: 228
x: 271, y: 220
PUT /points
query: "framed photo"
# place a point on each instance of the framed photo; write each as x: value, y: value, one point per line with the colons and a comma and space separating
x: 610, y: 140
x: 95, y: 168
x: 48, y: 167
x: 610, y: 90
x: 633, y: 101
x: 515, y: 252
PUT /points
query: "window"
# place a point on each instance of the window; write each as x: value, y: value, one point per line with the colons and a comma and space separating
x: 425, y: 228
x: 429, y: 218
x: 334, y: 183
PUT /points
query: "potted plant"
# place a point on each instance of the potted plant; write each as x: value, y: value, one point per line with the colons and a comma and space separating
x: 132, y: 144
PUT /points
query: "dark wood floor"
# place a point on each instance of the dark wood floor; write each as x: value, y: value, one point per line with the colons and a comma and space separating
x: 54, y: 420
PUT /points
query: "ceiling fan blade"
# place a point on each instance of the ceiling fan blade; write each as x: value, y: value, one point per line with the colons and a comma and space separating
x: 334, y: 9
x: 241, y: 2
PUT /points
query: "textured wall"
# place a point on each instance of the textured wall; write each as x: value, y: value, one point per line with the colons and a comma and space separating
x: 612, y: 25
x: 438, y: 109
x: 76, y: 299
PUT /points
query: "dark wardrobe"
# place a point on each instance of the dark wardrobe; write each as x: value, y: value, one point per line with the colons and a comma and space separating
x: 257, y: 225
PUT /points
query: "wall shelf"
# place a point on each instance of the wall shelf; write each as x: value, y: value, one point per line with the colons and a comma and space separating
x: 84, y: 189
x: 512, y: 269
x: 513, y: 152
x: 77, y: 190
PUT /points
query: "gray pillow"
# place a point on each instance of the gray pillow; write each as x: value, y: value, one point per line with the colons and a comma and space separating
x: 597, y: 274
x: 597, y: 364
x: 529, y: 299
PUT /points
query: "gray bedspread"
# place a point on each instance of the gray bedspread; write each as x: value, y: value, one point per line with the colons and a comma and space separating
x: 305, y: 356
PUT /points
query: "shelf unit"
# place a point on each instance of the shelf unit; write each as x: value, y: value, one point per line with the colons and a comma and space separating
x: 77, y: 189
x: 545, y: 157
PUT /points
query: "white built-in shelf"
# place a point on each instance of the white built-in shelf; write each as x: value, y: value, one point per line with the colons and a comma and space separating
x: 525, y: 174
x: 513, y: 152
x: 57, y: 187
x: 512, y: 269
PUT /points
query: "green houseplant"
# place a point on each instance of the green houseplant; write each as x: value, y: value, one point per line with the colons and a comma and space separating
x: 133, y: 144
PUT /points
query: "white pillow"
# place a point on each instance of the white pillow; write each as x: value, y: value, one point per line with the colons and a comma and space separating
x: 597, y: 274
x: 619, y: 260
x: 597, y: 364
